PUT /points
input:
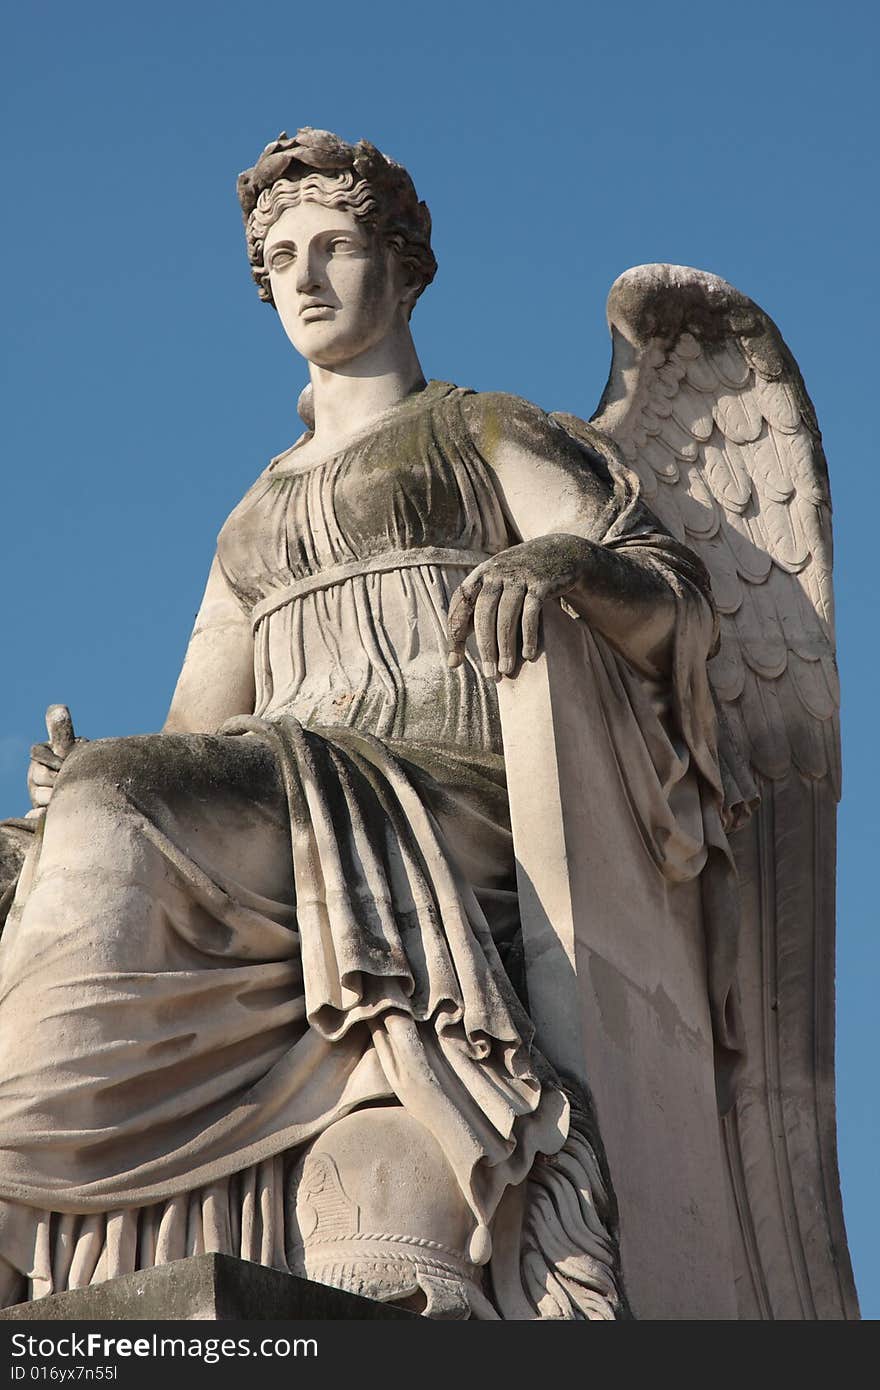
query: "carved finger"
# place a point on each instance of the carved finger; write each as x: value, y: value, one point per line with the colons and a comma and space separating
x: 59, y: 727
x: 531, y: 625
x: 459, y: 619
x: 486, y: 626
x: 40, y: 776
x: 40, y: 796
x: 42, y: 753
x: 509, y: 610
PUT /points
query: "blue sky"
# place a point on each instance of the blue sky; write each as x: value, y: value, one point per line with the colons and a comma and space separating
x: 146, y: 385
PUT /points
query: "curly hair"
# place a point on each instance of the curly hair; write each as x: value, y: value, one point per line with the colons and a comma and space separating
x: 319, y: 166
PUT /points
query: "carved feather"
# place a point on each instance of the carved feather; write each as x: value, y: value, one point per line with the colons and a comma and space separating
x: 709, y: 407
x: 727, y: 421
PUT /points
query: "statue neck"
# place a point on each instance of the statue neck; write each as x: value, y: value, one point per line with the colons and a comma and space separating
x: 347, y: 398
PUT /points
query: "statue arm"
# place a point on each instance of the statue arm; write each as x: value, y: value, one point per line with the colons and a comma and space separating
x: 217, y: 678
x: 559, y: 510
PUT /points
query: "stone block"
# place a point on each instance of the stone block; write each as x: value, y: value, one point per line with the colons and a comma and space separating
x: 204, y: 1288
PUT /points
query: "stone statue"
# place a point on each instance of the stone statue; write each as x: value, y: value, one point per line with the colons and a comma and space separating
x: 272, y: 981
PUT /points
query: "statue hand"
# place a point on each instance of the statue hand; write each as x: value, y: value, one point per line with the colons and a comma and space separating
x: 502, y: 599
x: 46, y: 758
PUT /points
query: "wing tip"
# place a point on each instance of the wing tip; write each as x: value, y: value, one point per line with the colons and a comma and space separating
x: 660, y: 301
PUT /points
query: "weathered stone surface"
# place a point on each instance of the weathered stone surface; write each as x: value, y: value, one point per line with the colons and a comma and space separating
x: 275, y: 936
x: 619, y: 995
x: 204, y: 1288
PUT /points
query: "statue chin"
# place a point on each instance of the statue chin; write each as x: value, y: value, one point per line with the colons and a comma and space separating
x: 360, y: 1219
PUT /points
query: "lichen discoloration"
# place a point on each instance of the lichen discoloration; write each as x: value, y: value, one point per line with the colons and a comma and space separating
x: 176, y: 769
x: 656, y: 304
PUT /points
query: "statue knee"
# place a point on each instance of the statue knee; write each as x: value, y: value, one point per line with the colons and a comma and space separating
x: 149, y: 765
x: 106, y: 761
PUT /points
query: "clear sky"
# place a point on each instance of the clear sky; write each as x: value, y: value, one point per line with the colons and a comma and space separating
x: 145, y: 385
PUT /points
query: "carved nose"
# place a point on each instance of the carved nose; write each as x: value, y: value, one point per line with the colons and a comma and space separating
x: 307, y: 277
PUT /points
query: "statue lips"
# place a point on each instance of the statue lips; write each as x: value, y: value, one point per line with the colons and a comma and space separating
x: 313, y: 307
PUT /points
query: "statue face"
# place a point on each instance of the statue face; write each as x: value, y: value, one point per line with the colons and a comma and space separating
x: 338, y: 290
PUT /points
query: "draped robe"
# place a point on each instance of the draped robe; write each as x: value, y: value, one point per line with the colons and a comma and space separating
x: 221, y: 944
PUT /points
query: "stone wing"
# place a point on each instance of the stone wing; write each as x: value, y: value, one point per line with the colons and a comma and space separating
x: 709, y: 408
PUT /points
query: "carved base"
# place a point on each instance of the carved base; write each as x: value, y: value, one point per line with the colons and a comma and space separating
x: 205, y: 1288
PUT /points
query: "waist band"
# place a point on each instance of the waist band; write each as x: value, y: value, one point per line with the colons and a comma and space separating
x: 373, y: 564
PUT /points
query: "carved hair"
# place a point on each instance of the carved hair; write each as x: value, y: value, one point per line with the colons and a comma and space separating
x: 317, y: 166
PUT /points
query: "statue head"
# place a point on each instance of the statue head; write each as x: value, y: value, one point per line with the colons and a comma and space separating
x: 318, y: 167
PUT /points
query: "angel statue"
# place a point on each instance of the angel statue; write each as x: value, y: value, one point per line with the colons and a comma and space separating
x: 272, y: 981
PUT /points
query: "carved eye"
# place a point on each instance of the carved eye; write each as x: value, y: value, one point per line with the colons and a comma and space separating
x: 341, y: 244
x: 281, y: 260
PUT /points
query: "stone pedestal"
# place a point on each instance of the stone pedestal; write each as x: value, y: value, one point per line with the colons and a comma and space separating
x: 616, y: 976
x: 205, y: 1288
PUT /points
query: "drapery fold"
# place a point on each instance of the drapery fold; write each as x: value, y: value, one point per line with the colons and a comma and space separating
x: 390, y: 985
x: 222, y: 944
